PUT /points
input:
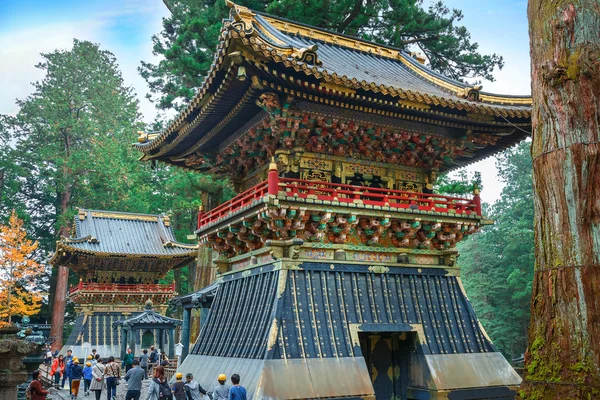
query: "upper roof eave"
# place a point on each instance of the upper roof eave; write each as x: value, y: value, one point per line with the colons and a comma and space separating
x: 244, y: 22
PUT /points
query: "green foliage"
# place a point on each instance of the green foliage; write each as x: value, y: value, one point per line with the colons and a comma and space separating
x: 497, y: 263
x: 190, y: 36
x: 462, y: 184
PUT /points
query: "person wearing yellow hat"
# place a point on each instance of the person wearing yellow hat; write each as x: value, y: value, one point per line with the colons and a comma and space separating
x: 178, y: 387
x: 76, y: 373
x: 87, y: 377
x: 221, y: 391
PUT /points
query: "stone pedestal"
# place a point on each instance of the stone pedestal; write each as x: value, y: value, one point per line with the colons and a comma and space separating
x: 12, y: 369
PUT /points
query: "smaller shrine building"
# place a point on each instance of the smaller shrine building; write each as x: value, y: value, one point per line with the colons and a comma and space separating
x: 120, y: 259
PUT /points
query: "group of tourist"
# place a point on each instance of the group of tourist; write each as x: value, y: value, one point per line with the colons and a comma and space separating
x: 93, y: 372
x: 98, y: 375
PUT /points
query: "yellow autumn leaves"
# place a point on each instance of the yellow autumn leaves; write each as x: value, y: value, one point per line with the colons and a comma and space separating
x: 19, y: 294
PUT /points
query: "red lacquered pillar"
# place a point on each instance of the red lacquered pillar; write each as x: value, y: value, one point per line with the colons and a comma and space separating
x: 477, y: 200
x: 273, y: 178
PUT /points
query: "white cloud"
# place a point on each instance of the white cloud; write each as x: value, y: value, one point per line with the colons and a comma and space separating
x: 20, y: 49
x: 20, y: 52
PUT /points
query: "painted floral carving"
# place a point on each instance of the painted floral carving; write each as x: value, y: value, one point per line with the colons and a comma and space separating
x: 331, y: 228
x: 287, y: 128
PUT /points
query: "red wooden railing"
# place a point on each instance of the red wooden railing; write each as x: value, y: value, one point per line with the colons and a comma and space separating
x: 255, y: 193
x: 118, y: 287
x: 344, y: 194
x: 376, y: 196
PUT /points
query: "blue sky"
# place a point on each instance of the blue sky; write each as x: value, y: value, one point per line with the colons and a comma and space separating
x: 125, y: 27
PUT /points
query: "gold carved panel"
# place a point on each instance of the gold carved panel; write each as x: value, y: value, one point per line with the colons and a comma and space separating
x: 350, y: 169
x: 315, y: 163
x: 316, y: 176
x: 410, y: 187
x: 412, y: 176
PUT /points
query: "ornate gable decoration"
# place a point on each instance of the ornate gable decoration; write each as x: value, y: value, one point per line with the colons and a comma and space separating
x: 243, y: 27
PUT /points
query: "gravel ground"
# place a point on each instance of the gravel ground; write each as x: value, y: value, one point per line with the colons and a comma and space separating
x: 63, y: 394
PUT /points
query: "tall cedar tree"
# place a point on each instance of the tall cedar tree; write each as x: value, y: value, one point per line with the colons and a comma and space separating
x: 497, y: 263
x: 190, y: 36
x: 63, y: 129
x: 18, y: 272
x: 563, y: 359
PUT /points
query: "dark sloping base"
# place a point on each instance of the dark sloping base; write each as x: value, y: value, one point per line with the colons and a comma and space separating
x: 302, y: 324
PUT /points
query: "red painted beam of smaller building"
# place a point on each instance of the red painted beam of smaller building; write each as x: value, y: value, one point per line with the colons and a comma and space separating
x: 255, y: 193
x: 117, y: 287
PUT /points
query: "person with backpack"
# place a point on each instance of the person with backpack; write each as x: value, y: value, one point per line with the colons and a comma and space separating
x: 67, y: 371
x: 112, y: 372
x: 36, y: 391
x: 178, y: 387
x: 159, y: 388
x: 87, y: 376
x: 153, y: 355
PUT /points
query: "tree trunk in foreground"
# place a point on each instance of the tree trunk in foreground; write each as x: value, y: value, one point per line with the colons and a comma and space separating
x: 563, y: 358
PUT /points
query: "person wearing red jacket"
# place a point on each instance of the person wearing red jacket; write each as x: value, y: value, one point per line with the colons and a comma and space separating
x: 36, y: 388
x: 57, y: 369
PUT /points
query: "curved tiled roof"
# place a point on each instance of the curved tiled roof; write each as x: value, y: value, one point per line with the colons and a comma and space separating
x: 148, y: 317
x: 362, y: 61
x: 120, y: 233
x: 345, y: 66
x: 208, y: 292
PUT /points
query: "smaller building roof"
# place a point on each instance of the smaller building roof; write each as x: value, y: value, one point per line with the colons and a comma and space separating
x: 149, y: 318
x: 112, y: 233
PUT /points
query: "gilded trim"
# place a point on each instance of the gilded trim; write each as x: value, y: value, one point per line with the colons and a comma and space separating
x: 370, y: 110
x: 299, y: 61
x: 383, y: 51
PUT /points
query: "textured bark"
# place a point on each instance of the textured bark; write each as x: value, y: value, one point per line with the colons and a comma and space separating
x: 58, y: 309
x: 59, y: 304
x: 563, y: 358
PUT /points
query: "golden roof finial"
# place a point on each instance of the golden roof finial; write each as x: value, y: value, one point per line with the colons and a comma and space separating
x: 273, y: 165
x: 476, y: 190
